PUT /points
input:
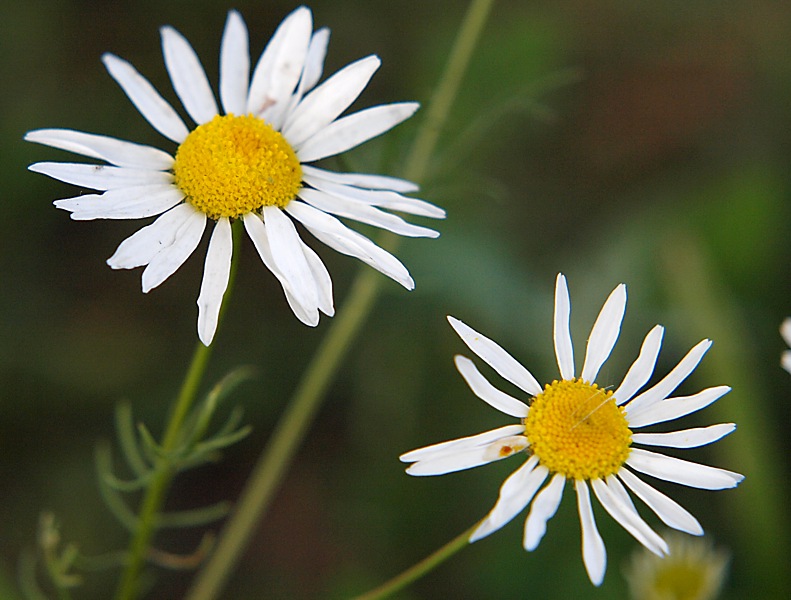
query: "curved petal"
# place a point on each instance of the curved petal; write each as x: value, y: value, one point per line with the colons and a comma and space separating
x: 687, y: 438
x: 322, y: 279
x: 187, y: 76
x: 681, y: 471
x: 594, y: 555
x: 469, y: 457
x: 642, y: 368
x: 542, y: 510
x: 564, y: 351
x: 216, y: 272
x: 100, y: 177
x: 460, y: 444
x: 487, y: 392
x: 117, y: 152
x: 604, y: 333
x: 672, y: 514
x: 234, y: 65
x: 123, y: 203
x: 351, y: 131
x: 171, y: 257
x: 146, y: 99
x: 496, y: 357
x: 674, y: 408
x: 516, y: 492
x: 361, y: 180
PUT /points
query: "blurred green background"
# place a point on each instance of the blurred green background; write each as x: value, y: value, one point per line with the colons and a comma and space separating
x: 613, y: 141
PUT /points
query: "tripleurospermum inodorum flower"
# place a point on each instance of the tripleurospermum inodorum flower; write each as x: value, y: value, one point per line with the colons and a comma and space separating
x: 248, y: 160
x: 576, y: 430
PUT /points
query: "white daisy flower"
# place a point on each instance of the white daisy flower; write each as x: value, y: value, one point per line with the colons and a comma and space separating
x: 578, y: 431
x: 247, y: 160
x: 785, y: 331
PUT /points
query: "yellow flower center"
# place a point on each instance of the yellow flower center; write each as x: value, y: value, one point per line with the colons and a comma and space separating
x: 576, y: 429
x: 232, y: 165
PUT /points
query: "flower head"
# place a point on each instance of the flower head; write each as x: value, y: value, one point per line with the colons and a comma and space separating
x: 247, y: 161
x: 576, y: 430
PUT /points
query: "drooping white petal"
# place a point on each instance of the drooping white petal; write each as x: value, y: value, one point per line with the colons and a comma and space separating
x: 187, y: 76
x: 100, y: 177
x: 216, y: 271
x: 361, y: 180
x: 469, y: 457
x: 364, y: 213
x: 594, y: 555
x: 687, y: 438
x: 146, y: 99
x: 352, y: 130
x: 171, y: 257
x: 785, y: 360
x: 140, y: 247
x: 278, y: 70
x: 672, y: 514
x: 642, y: 368
x: 628, y: 518
x: 672, y: 380
x: 322, y: 279
x: 460, y: 444
x: 516, y: 492
x: 487, y: 392
x: 674, y: 408
x: 234, y: 65
x: 326, y: 102
x: 542, y: 510
x: 564, y: 351
x: 681, y: 471
x: 123, y: 203
x: 604, y: 333
x: 117, y: 152
x: 496, y: 357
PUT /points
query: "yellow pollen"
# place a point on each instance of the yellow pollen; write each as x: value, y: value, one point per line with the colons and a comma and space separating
x: 232, y: 165
x: 576, y: 429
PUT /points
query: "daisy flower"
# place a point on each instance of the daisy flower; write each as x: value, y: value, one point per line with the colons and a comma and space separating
x: 785, y: 331
x: 249, y: 161
x: 577, y: 431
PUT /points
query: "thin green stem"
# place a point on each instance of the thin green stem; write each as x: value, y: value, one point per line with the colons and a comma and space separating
x: 301, y: 410
x: 419, y: 569
x: 156, y: 492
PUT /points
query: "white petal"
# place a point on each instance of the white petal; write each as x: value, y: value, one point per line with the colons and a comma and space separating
x: 100, y: 177
x: 642, y: 368
x: 487, y: 392
x: 688, y: 438
x: 672, y: 380
x: 672, y: 514
x: 151, y: 105
x: 188, y: 77
x: 123, y: 203
x: 516, y: 492
x: 604, y: 333
x: 325, y: 103
x: 362, y: 180
x: 314, y: 61
x: 496, y: 357
x: 117, y: 152
x: 171, y: 257
x: 460, y: 444
x: 234, y: 65
x: 681, y: 471
x: 469, y: 457
x: 594, y: 555
x: 564, y: 351
x: 278, y: 70
x: 351, y: 131
x: 542, y: 510
x: 785, y: 360
x: 674, y: 408
x: 216, y: 272
x: 139, y: 248
x: 364, y: 213
x: 629, y: 519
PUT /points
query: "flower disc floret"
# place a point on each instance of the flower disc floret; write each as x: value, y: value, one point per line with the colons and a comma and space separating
x: 576, y: 429
x: 231, y: 166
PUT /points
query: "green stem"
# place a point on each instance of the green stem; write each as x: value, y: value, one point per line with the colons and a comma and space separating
x: 156, y: 492
x: 417, y: 570
x: 301, y: 410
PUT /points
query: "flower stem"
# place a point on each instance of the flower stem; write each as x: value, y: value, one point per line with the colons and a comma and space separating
x: 156, y: 492
x: 419, y: 569
x: 293, y: 425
